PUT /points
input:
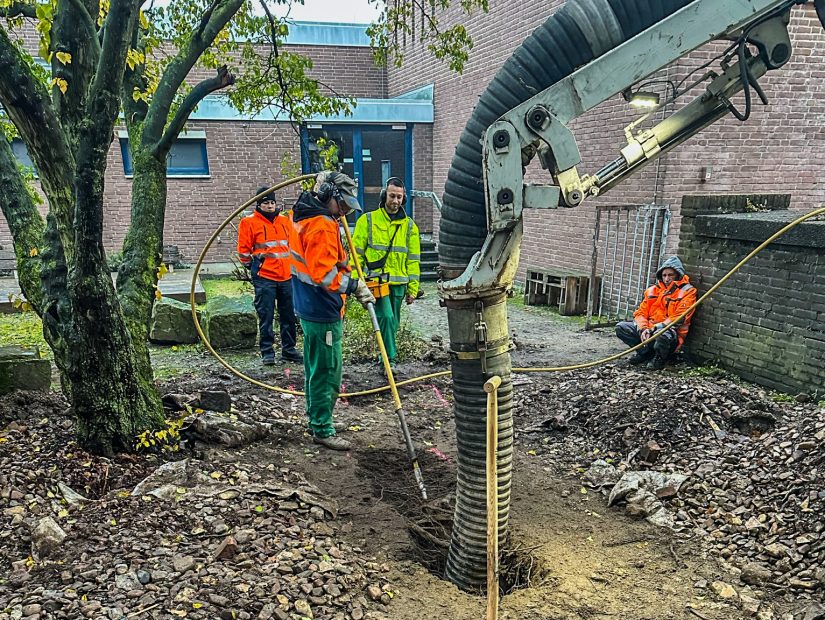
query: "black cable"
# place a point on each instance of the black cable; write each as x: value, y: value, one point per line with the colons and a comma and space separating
x: 744, y: 76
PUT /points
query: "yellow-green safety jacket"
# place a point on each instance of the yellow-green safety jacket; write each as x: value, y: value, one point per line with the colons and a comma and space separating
x: 373, y: 232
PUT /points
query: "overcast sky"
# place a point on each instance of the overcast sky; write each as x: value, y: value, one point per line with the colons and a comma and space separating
x: 346, y: 11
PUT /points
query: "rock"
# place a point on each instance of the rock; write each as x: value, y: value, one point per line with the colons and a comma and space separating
x: 47, y: 536
x: 144, y: 576
x: 183, y: 563
x: 601, y: 474
x: 32, y: 609
x: 23, y: 369
x: 814, y: 611
x: 164, y: 481
x: 749, y: 605
x: 172, y: 323
x: 218, y: 400
x: 638, y: 489
x: 231, y: 322
x: 71, y: 496
x: 650, y: 452
x: 819, y: 575
x: 215, y: 429
x: 226, y: 550
x: 128, y: 581
x: 776, y: 550
x: 755, y: 574
x: 374, y: 592
x: 723, y: 590
x: 303, y: 608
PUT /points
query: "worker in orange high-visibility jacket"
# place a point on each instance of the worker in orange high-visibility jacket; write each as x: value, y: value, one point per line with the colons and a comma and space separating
x: 264, y: 240
x: 661, y: 305
x: 321, y: 278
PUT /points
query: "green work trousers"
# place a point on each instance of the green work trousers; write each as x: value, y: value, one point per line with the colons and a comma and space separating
x: 388, y: 313
x: 322, y: 373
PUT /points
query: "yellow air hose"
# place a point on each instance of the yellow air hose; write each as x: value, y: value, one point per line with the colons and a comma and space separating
x: 443, y: 373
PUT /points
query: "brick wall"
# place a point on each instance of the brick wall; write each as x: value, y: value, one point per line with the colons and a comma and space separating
x: 780, y: 147
x: 423, y: 176
x: 242, y: 156
x: 766, y: 322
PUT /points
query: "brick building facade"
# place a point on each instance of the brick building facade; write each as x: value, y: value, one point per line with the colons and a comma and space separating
x: 241, y: 154
x: 780, y: 147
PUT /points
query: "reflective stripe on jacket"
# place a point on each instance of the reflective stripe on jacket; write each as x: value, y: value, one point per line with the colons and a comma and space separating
x: 663, y: 305
x: 320, y: 268
x: 264, y: 246
x: 374, y: 231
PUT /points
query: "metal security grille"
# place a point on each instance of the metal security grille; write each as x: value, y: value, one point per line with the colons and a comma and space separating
x: 628, y: 243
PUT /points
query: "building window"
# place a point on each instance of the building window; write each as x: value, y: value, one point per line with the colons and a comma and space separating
x: 21, y: 153
x: 187, y: 157
x: 369, y: 154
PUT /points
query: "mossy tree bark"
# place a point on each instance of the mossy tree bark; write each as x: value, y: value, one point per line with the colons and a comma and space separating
x: 99, y: 336
x: 153, y: 128
x: 68, y: 137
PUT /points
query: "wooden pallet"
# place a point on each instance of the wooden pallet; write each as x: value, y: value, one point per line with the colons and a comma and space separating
x: 565, y: 290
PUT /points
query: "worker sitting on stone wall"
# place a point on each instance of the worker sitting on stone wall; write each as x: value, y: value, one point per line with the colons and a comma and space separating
x: 661, y: 305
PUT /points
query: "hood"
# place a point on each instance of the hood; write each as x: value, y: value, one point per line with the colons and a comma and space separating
x: 308, y: 206
x: 673, y: 263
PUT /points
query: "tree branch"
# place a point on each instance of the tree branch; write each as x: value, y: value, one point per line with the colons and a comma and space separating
x: 75, y: 33
x: 213, y: 21
x: 30, y: 109
x: 195, y: 96
x: 289, y: 103
x: 90, y: 27
x: 19, y: 9
x: 95, y: 136
x: 134, y: 111
x: 25, y: 223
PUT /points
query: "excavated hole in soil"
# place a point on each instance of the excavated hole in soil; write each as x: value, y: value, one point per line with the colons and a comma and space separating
x: 430, y: 522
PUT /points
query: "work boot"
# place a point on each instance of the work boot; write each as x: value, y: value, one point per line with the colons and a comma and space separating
x: 333, y: 442
x: 639, y: 358
x: 268, y: 359
x: 292, y: 356
x: 657, y: 363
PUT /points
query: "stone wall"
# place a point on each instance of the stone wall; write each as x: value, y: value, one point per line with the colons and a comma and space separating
x: 767, y: 322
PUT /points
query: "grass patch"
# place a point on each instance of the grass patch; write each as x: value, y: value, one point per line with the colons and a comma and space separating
x: 781, y: 397
x: 708, y: 370
x: 227, y: 286
x: 23, y: 329
x: 359, y: 338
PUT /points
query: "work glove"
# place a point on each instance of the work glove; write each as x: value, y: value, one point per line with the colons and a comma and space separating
x: 363, y: 294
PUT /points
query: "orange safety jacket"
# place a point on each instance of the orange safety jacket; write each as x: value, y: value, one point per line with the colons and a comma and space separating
x: 320, y: 266
x: 264, y: 246
x: 661, y: 306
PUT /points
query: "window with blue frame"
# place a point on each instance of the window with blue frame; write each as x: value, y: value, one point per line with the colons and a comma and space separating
x: 368, y: 153
x: 21, y: 153
x: 187, y: 157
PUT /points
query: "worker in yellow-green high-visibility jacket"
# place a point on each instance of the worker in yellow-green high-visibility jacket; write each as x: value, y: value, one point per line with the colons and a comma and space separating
x: 389, y: 247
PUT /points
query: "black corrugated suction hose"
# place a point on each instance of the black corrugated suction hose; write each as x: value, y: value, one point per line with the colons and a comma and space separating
x: 576, y: 34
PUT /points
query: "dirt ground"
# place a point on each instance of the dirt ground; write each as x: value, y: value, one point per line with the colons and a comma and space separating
x: 586, y: 560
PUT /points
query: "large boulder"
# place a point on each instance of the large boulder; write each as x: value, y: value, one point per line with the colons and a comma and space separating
x: 172, y: 323
x: 23, y: 369
x: 231, y: 322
